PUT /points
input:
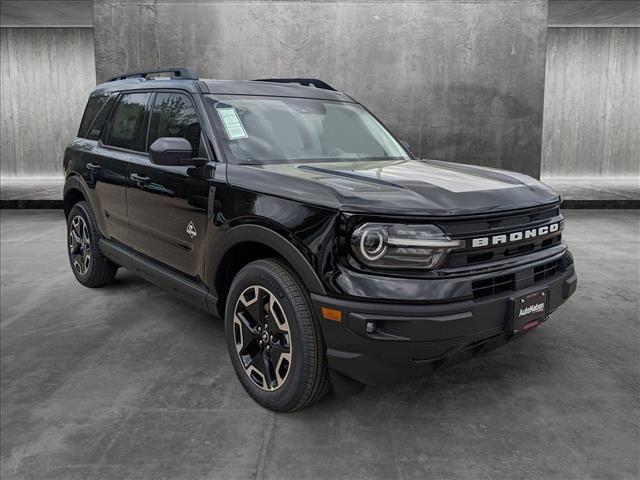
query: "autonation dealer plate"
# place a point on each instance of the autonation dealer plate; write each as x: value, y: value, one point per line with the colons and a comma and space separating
x: 529, y: 310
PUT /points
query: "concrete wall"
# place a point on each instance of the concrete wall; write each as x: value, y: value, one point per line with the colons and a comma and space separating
x: 592, y: 103
x: 459, y: 80
x: 45, y: 75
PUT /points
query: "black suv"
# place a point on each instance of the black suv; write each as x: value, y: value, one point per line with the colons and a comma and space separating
x: 334, y: 256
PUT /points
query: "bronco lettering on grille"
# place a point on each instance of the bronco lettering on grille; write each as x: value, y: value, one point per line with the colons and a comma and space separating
x: 516, y: 236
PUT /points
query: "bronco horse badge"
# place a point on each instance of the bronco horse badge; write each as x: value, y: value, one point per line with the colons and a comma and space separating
x: 191, y: 230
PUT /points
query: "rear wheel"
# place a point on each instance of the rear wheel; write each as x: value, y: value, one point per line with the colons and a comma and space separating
x: 91, y: 268
x: 275, y: 345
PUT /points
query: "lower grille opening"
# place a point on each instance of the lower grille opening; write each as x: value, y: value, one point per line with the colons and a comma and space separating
x: 506, y: 283
x: 491, y: 286
x: 545, y: 271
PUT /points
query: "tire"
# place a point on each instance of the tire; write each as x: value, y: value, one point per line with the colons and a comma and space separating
x: 294, y: 374
x: 91, y: 268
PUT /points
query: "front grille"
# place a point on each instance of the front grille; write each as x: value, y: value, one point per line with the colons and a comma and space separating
x: 491, y: 286
x: 498, y: 253
x: 497, y: 225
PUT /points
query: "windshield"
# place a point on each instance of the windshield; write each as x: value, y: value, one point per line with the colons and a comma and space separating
x: 259, y: 130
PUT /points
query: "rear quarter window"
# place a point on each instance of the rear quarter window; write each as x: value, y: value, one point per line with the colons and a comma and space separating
x: 95, y: 105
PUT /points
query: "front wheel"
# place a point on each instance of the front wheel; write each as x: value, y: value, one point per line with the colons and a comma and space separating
x: 275, y: 344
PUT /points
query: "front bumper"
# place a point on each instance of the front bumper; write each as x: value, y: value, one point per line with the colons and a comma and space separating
x: 413, y: 340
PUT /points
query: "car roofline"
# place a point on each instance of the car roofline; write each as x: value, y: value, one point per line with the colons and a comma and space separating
x: 185, y: 78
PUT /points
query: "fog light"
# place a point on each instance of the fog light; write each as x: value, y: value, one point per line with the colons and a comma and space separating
x: 370, y: 327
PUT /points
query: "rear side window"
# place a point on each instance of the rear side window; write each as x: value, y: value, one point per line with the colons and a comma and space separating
x: 174, y: 115
x: 127, y: 125
x: 94, y: 106
x: 95, y: 131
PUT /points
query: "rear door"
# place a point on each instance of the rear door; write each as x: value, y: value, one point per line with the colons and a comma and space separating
x: 167, y: 205
x: 122, y: 140
x: 106, y: 190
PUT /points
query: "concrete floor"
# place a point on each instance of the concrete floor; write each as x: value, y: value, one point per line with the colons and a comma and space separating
x: 129, y: 382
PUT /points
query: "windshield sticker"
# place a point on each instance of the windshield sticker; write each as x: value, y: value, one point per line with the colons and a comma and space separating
x: 232, y: 123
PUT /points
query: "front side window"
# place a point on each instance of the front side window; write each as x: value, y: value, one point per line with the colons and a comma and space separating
x: 174, y: 115
x: 127, y: 126
x: 298, y: 130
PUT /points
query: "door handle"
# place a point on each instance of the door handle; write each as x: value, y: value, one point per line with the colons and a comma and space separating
x: 140, y: 180
x: 93, y: 167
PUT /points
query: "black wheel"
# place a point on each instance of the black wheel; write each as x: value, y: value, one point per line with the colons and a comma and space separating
x: 91, y: 268
x: 275, y: 344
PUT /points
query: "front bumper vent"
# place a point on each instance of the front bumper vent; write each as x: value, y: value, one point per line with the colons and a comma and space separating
x: 507, y: 283
x: 542, y: 272
x: 491, y: 286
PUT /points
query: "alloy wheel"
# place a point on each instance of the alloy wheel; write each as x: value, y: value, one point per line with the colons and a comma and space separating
x: 262, y: 338
x: 80, y: 245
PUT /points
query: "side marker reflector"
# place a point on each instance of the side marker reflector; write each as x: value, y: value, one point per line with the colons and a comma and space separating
x: 331, y: 314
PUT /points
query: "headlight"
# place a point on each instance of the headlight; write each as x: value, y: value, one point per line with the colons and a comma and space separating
x: 388, y: 245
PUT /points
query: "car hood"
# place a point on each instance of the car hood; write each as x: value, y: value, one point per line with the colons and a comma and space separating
x: 404, y: 187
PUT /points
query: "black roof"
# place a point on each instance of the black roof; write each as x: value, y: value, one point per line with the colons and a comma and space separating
x: 225, y: 87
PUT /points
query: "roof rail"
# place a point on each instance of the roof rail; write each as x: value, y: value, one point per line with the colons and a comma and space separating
x: 305, y: 82
x: 183, y: 73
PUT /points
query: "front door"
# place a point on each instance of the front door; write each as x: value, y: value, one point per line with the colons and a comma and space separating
x: 167, y: 205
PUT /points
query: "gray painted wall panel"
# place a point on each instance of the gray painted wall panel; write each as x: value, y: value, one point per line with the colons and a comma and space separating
x: 46, y: 74
x: 461, y: 81
x: 592, y: 103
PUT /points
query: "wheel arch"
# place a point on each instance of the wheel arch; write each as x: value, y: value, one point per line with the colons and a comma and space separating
x: 74, y: 192
x: 246, y: 243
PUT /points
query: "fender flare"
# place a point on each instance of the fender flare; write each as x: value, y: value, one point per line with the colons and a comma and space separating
x: 272, y: 239
x: 75, y: 182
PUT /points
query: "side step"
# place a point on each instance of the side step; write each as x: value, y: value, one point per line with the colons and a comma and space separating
x: 185, y: 288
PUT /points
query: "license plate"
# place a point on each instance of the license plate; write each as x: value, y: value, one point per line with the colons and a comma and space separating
x: 529, y: 310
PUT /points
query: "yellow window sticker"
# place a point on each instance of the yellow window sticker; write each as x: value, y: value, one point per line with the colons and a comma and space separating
x: 232, y: 123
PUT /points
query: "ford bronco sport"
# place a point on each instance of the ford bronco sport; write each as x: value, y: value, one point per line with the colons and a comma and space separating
x: 333, y: 255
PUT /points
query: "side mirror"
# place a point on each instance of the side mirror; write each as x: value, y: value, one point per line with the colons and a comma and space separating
x: 173, y: 151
